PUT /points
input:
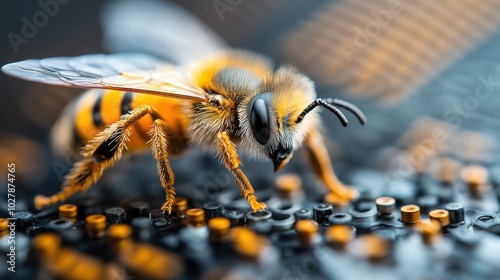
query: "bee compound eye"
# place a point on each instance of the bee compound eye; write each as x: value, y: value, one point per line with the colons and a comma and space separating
x: 259, y: 121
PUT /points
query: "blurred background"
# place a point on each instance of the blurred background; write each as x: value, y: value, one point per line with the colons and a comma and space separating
x: 426, y: 74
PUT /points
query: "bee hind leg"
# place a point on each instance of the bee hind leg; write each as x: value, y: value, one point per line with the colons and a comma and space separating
x: 322, y: 166
x: 159, y: 145
x: 100, y: 153
x: 232, y: 162
x: 83, y: 174
x: 89, y: 170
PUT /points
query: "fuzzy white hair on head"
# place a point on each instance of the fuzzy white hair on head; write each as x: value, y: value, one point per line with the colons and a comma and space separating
x: 291, y: 92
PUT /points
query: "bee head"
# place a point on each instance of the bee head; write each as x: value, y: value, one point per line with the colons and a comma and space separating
x: 267, y: 117
x: 276, y: 118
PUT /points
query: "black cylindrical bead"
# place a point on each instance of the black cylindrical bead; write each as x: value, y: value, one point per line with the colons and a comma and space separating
x: 321, y: 212
x: 156, y: 214
x: 23, y: 220
x: 212, y: 209
x: 236, y: 217
x: 138, y: 209
x: 115, y: 215
x: 88, y: 206
x: 456, y: 211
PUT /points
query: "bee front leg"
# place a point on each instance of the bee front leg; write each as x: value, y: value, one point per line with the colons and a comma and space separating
x: 322, y: 166
x: 232, y: 162
x: 159, y: 145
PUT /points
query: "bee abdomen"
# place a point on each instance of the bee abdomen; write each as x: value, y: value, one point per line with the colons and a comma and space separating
x: 94, y: 110
x: 82, y: 114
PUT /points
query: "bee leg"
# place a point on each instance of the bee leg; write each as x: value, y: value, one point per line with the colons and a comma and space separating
x: 159, y: 145
x: 89, y: 170
x: 232, y: 162
x: 322, y: 166
x: 81, y: 176
x: 100, y: 153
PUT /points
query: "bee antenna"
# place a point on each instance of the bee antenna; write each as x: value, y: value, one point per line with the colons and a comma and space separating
x: 349, y: 106
x: 328, y: 106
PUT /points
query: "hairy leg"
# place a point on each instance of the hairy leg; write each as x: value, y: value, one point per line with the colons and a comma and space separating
x: 232, y: 162
x: 159, y: 145
x: 322, y: 166
x: 100, y: 153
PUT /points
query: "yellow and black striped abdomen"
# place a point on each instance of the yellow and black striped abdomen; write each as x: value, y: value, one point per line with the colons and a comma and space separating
x: 96, y: 109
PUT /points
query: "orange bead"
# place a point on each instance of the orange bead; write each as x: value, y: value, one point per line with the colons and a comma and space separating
x: 95, y: 225
x: 410, y: 214
x: 195, y: 217
x: 440, y: 215
x: 68, y: 211
x: 307, y: 231
x: 179, y: 207
x: 219, y: 227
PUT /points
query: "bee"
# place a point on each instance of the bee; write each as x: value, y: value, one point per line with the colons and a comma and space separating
x: 137, y: 101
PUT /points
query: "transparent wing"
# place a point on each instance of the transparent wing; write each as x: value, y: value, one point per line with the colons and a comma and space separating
x: 124, y: 71
x: 159, y: 28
